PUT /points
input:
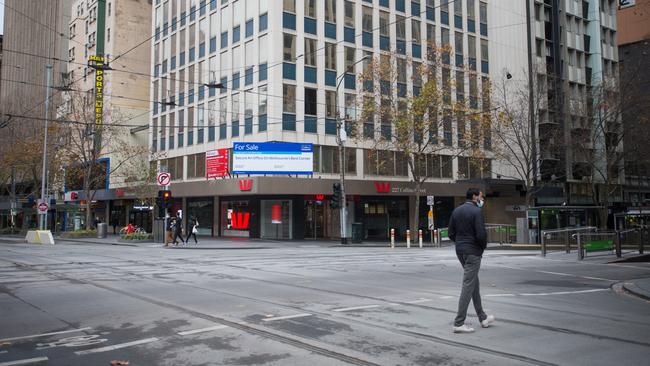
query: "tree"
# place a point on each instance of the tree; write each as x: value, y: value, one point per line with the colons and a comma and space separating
x: 21, y: 149
x: 515, y: 145
x: 95, y: 151
x: 417, y: 126
x: 601, y: 156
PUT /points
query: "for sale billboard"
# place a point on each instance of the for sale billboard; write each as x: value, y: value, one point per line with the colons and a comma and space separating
x: 272, y: 158
x: 216, y: 163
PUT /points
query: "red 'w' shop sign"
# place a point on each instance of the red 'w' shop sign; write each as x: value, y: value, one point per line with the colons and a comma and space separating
x: 216, y: 163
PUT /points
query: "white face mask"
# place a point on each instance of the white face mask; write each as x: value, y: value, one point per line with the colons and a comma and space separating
x: 480, y: 203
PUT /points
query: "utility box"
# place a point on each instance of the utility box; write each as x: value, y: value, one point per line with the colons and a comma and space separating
x: 357, y: 232
x: 522, y: 230
x: 158, y: 230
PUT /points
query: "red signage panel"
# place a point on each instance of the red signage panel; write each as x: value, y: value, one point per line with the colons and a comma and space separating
x: 216, y: 163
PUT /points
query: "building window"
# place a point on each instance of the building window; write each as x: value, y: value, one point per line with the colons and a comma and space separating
x: 330, y: 11
x: 311, y: 104
x: 290, y: 6
x: 310, y: 52
x: 289, y: 98
x: 330, y: 56
x: 196, y: 166
x: 310, y: 8
x: 349, y: 14
x: 289, y: 47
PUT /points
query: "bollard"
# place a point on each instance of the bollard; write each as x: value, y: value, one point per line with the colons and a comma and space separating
x: 408, y: 238
x: 420, y: 235
x: 392, y: 238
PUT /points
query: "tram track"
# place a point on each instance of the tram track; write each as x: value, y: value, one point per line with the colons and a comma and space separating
x: 299, y: 340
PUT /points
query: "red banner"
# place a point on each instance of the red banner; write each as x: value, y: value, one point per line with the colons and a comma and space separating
x: 216, y: 163
x: 276, y: 214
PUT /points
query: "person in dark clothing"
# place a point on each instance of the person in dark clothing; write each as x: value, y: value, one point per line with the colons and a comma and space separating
x: 114, y: 224
x: 194, y: 223
x: 467, y: 231
x: 177, y: 228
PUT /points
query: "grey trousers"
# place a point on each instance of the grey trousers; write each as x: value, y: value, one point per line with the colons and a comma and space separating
x: 471, y: 291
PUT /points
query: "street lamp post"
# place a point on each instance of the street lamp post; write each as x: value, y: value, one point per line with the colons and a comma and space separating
x: 43, y: 217
x: 341, y: 136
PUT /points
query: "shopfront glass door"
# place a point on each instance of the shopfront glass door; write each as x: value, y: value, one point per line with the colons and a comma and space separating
x: 315, y: 219
x: 276, y: 221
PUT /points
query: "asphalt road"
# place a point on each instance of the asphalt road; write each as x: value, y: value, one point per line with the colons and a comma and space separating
x: 84, y: 304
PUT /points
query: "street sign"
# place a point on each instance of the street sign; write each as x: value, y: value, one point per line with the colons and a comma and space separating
x: 516, y: 208
x: 163, y: 179
x: 430, y: 200
x: 43, y: 207
x: 430, y: 218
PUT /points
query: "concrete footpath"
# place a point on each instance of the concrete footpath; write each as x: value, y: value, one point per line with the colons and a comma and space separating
x: 638, y: 287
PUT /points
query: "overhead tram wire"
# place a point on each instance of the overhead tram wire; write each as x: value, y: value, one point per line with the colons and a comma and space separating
x: 216, y: 125
x: 308, y: 53
x: 55, y: 32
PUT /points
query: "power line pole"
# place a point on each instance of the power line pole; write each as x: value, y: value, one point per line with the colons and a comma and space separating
x: 531, y: 94
x: 43, y: 217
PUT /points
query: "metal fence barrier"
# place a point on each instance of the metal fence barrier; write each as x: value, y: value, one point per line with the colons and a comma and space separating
x: 589, y: 242
x: 501, y: 233
x: 559, y: 239
x: 632, y: 240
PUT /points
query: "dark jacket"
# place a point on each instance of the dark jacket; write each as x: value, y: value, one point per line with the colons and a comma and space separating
x: 467, y: 229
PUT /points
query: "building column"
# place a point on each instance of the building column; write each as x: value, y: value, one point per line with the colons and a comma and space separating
x: 185, y: 213
x: 216, y: 215
x: 411, y: 206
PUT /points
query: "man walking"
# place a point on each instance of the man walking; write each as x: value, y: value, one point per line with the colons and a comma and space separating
x: 467, y: 231
x: 178, y: 234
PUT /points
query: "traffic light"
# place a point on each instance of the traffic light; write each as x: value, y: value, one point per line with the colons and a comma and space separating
x: 336, y: 196
x: 167, y: 198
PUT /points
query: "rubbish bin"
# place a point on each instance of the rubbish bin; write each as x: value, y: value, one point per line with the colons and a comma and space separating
x: 101, y: 230
x: 357, y: 232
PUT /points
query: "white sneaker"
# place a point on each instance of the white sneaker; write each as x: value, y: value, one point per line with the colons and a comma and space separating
x: 488, y: 321
x: 463, y: 329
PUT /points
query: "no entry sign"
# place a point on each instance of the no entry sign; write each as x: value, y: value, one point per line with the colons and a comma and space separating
x: 42, y: 207
x: 163, y: 179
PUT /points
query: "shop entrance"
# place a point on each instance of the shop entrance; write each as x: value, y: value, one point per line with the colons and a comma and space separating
x: 381, y: 214
x: 141, y: 219
x: 316, y: 220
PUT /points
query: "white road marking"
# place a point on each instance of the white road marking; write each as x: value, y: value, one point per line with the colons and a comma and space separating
x: 355, y: 308
x: 566, y: 292
x: 45, y: 334
x: 548, y: 293
x: 116, y: 346
x: 301, y: 315
x: 446, y: 297
x: 418, y: 301
x: 27, y: 361
x: 557, y: 273
x: 202, y: 330
x: 4, y: 352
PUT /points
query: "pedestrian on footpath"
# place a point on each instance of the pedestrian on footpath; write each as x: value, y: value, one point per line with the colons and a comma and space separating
x: 177, y: 232
x: 192, y: 232
x: 114, y: 224
x: 467, y: 231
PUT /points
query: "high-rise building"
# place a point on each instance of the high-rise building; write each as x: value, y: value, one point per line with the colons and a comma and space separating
x: 634, y: 51
x: 124, y: 42
x: 229, y: 71
x: 576, y: 53
x: 35, y: 35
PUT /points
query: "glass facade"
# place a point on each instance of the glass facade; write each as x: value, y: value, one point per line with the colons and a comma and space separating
x: 276, y: 219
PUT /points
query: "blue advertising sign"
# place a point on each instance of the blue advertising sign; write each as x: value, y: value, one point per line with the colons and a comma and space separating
x: 272, y: 158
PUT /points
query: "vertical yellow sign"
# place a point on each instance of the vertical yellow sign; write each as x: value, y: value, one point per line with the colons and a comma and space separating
x: 99, y: 90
